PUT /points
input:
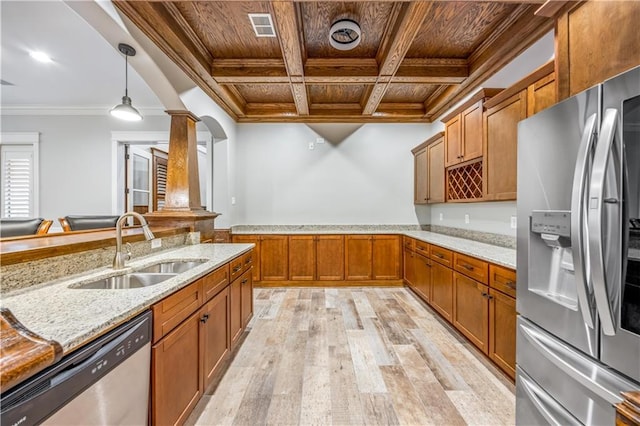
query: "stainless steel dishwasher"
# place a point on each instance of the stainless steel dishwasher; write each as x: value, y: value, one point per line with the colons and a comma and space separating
x: 104, y: 383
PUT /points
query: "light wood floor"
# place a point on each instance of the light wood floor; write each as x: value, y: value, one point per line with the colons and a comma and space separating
x: 355, y: 356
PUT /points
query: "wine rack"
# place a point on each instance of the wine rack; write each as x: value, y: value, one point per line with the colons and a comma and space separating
x: 464, y: 183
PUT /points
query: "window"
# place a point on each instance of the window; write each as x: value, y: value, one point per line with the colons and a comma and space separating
x: 19, y: 175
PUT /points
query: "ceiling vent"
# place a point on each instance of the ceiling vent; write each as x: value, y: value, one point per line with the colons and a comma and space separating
x: 344, y: 34
x: 262, y: 24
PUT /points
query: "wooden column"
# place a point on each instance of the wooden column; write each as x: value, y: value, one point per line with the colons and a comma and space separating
x: 182, y: 200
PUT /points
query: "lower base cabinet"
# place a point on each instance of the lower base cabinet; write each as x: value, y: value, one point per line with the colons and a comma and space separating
x: 176, y: 375
x: 192, y: 347
x: 502, y: 338
x: 422, y: 267
x: 471, y: 310
x: 442, y: 290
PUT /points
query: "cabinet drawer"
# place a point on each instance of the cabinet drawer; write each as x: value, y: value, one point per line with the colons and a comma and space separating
x: 236, y: 267
x: 471, y: 267
x: 409, y: 243
x: 215, y: 281
x: 422, y: 248
x: 502, y: 279
x: 442, y: 255
x: 171, y: 311
x: 247, y: 261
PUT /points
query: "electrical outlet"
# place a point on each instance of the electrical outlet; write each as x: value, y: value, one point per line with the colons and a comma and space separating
x: 514, y: 222
x: 466, y: 218
x: 319, y: 140
x: 156, y: 243
x: 233, y: 201
x: 441, y: 216
x: 311, y: 146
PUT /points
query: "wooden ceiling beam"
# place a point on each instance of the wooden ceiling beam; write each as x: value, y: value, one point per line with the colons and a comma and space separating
x: 432, y: 71
x: 285, y: 16
x: 516, y: 33
x: 398, y: 39
x: 159, y: 24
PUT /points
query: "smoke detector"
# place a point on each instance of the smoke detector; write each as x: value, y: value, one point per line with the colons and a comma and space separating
x: 344, y: 34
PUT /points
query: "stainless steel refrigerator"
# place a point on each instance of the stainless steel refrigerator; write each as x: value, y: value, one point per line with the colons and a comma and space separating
x: 578, y: 290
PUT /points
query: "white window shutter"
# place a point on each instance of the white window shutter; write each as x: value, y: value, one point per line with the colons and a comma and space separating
x: 17, y: 181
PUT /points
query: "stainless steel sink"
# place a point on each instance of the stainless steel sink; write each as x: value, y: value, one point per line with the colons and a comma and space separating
x: 126, y: 281
x: 174, y: 267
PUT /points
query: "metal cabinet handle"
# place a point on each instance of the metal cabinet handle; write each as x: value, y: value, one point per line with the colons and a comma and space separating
x: 244, y: 281
x: 511, y: 284
x: 427, y: 264
x: 438, y: 255
x: 578, y: 221
x: 467, y: 266
x: 204, y: 318
x: 237, y: 268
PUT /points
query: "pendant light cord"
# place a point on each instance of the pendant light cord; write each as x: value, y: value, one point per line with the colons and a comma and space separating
x: 126, y: 75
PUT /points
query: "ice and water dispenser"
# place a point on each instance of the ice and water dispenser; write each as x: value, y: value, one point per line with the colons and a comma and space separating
x: 551, y: 270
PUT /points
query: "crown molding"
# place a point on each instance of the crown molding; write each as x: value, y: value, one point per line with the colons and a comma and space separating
x: 73, y: 110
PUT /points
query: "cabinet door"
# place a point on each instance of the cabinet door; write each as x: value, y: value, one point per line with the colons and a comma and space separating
x: 500, y: 158
x: 216, y: 340
x: 435, y: 171
x: 235, y: 310
x: 408, y: 268
x: 358, y: 257
x: 471, y: 132
x: 274, y: 257
x: 452, y: 141
x: 420, y: 171
x: 255, y: 239
x: 422, y: 267
x: 302, y: 257
x: 502, y: 331
x: 471, y: 310
x: 541, y: 94
x: 246, y: 284
x: 330, y: 257
x: 442, y: 290
x: 386, y: 257
x: 176, y: 384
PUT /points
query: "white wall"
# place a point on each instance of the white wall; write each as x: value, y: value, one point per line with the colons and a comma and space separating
x: 366, y: 179
x: 493, y: 217
x: 76, y: 159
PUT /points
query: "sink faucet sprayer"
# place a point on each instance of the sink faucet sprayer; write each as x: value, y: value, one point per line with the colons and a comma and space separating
x: 120, y: 258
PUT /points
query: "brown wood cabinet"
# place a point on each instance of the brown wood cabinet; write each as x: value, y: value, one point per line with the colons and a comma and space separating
x: 504, y: 111
x: 420, y: 176
x: 463, y: 135
x: 302, y: 257
x: 502, y: 331
x: 435, y: 170
x: 193, y: 337
x: 453, y: 141
x: 358, y: 257
x: 330, y: 257
x: 442, y: 290
x: 471, y: 310
x: 386, y: 257
x: 176, y: 379
x: 409, y: 270
x: 216, y: 339
x: 471, y: 267
x: 422, y: 284
x: 595, y: 40
x: 274, y: 257
x: 255, y: 253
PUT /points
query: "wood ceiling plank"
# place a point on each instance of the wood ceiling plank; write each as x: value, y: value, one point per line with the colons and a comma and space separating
x: 335, y: 93
x: 188, y: 31
x: 405, y: 28
x: 285, y: 17
x: 403, y: 93
x: 265, y: 93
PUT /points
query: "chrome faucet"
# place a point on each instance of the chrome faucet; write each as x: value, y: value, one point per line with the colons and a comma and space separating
x: 120, y: 258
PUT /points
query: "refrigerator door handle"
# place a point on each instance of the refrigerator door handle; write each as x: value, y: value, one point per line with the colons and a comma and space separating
x: 580, y: 368
x: 552, y: 412
x: 596, y: 203
x: 579, y: 221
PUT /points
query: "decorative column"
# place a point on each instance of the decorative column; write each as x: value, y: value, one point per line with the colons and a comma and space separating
x: 182, y: 206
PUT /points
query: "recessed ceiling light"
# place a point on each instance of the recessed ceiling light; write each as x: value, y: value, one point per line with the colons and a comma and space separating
x: 40, y: 56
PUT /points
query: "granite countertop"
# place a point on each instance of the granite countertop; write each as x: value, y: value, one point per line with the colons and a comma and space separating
x: 491, y: 253
x: 495, y: 254
x: 73, y: 317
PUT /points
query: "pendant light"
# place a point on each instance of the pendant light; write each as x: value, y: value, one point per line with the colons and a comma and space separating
x: 125, y: 111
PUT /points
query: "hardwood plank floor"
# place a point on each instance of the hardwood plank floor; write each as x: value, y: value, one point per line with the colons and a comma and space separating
x: 354, y: 356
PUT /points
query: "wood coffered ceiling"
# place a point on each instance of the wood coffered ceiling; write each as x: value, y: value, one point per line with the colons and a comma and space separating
x: 415, y: 59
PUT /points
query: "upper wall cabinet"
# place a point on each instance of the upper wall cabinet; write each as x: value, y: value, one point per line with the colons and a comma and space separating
x: 503, y: 112
x: 595, y: 41
x: 428, y: 179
